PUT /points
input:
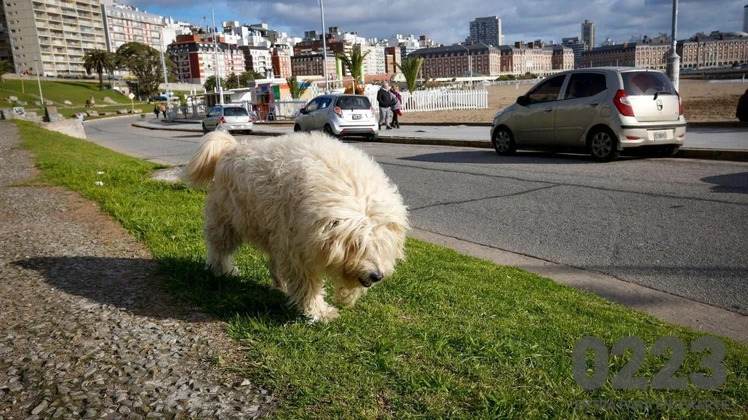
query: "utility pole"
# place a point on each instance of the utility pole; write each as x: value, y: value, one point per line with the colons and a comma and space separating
x: 38, y: 80
x: 166, y: 79
x: 324, y: 44
x: 215, y: 50
x: 673, y: 61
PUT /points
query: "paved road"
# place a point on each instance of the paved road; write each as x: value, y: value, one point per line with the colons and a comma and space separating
x: 675, y: 225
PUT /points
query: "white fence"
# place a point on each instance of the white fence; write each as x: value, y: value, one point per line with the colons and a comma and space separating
x: 440, y: 100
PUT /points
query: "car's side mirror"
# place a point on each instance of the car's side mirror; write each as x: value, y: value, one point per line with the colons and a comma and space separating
x: 523, y: 100
x: 303, y: 111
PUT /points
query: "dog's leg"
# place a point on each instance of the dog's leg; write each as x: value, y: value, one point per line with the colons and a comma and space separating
x: 222, y: 239
x: 308, y: 294
x: 346, y: 296
x: 278, y: 280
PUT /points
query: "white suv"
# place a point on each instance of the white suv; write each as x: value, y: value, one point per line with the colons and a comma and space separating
x: 602, y: 110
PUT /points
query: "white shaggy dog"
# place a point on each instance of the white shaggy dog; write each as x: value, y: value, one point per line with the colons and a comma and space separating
x: 318, y: 207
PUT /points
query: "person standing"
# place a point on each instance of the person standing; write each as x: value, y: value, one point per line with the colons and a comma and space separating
x: 397, y: 107
x: 385, y: 105
x: 156, y: 109
x: 742, y: 110
x: 163, y: 109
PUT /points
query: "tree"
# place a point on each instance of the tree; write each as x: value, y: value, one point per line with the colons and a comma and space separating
x: 144, y: 63
x: 5, y: 67
x: 231, y: 82
x: 297, y: 89
x: 99, y: 61
x: 410, y: 68
x: 210, y: 83
x: 354, y: 64
x: 246, y: 76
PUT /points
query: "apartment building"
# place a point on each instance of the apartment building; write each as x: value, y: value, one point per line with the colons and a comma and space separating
x: 486, y: 30
x: 124, y: 24
x: 634, y: 54
x: 459, y: 60
x: 257, y: 59
x: 312, y: 65
x: 562, y: 58
x: 280, y: 57
x: 588, y: 34
x: 716, y: 50
x: 523, y: 58
x: 577, y: 47
x: 374, y: 62
x: 195, y: 58
x: 54, y: 35
x: 392, y: 59
x: 5, y: 51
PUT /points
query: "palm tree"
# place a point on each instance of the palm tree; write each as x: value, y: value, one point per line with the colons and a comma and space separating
x: 5, y: 67
x: 232, y: 82
x: 410, y: 68
x: 99, y: 61
x: 297, y: 89
x: 250, y: 75
x: 354, y: 64
x: 210, y: 83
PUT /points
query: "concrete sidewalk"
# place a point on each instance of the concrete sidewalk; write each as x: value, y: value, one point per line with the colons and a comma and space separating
x: 731, y: 141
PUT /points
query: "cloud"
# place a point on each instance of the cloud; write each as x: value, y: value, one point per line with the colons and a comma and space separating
x: 447, y: 21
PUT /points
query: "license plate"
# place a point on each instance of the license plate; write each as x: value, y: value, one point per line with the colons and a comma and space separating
x: 356, y: 116
x: 659, y: 135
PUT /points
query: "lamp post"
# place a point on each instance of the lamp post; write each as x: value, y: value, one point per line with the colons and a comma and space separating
x: 673, y: 61
x: 215, y: 51
x: 324, y: 44
x: 39, y: 81
x: 166, y: 79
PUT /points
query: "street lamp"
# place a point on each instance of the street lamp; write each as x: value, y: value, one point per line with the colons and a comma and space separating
x: 215, y: 51
x: 39, y: 80
x: 470, y: 64
x: 673, y: 61
x: 324, y: 44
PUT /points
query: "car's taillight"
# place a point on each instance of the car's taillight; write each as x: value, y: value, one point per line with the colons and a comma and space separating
x: 371, y: 108
x: 250, y: 118
x: 680, y: 104
x: 622, y: 102
x: 338, y: 111
x: 222, y: 121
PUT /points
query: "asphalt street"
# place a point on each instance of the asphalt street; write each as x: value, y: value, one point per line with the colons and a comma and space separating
x: 676, y: 225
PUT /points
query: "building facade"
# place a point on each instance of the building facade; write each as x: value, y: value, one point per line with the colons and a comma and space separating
x: 526, y: 58
x: 588, y: 34
x: 577, y: 47
x: 633, y: 54
x: 123, y: 24
x: 312, y: 65
x: 392, y: 59
x: 257, y: 59
x: 718, y: 50
x: 195, y: 58
x: 6, y: 53
x: 486, y: 30
x: 54, y: 35
x: 562, y: 58
x: 459, y: 61
x: 280, y: 57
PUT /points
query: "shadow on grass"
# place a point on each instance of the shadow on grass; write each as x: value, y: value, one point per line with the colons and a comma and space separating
x: 137, y: 285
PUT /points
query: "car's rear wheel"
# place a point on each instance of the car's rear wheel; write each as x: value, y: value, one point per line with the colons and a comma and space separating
x: 372, y: 137
x: 205, y: 129
x: 669, y: 150
x: 296, y: 128
x: 603, y: 145
x: 503, y: 141
x: 328, y: 130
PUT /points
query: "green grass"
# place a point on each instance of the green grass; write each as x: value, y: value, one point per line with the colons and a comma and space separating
x: 449, y: 336
x: 58, y: 92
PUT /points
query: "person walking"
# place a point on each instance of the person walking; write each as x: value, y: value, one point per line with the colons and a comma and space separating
x: 156, y: 109
x: 397, y: 107
x: 163, y: 109
x: 385, y: 105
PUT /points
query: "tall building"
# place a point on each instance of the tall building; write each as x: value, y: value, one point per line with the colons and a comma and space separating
x: 5, y: 50
x: 125, y: 24
x: 486, y: 30
x: 745, y: 18
x: 280, y: 56
x: 195, y: 58
x: 577, y: 47
x: 54, y: 34
x: 588, y: 34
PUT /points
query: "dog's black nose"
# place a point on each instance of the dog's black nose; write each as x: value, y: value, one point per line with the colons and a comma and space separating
x: 375, y: 276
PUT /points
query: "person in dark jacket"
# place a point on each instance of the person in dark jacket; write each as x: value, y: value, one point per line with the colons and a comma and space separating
x: 742, y: 111
x: 385, y: 105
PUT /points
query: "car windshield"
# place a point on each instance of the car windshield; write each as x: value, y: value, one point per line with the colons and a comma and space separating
x: 235, y: 112
x: 354, y: 102
x: 646, y: 83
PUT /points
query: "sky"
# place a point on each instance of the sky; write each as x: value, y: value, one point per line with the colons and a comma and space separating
x: 448, y: 21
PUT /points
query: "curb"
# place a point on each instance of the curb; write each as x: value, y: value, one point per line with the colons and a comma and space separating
x: 705, y: 154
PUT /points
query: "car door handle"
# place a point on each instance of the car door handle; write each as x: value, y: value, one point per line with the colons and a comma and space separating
x: 548, y: 109
x: 594, y: 105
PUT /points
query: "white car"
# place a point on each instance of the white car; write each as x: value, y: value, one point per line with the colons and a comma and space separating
x: 339, y: 115
x: 602, y: 110
x: 229, y: 117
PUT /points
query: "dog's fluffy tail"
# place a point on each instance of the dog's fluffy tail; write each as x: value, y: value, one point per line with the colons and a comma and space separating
x: 200, y: 170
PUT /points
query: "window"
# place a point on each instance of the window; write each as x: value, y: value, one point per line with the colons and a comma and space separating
x: 646, y: 83
x: 354, y: 102
x: 215, y: 111
x: 582, y: 85
x: 235, y: 112
x: 312, y: 106
x: 547, y: 91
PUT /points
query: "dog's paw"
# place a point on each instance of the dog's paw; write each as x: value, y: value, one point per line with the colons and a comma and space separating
x: 224, y: 271
x: 326, y: 315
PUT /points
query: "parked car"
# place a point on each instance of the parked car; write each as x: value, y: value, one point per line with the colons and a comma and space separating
x: 230, y: 117
x: 339, y: 115
x: 601, y: 110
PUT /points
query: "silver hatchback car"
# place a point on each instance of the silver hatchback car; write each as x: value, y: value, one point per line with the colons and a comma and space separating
x: 602, y: 110
x: 230, y: 117
x: 339, y: 115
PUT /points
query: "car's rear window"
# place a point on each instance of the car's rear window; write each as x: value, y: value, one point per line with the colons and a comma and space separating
x: 646, y: 83
x: 235, y: 112
x: 354, y: 102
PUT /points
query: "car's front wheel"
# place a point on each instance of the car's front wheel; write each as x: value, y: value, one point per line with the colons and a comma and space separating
x: 296, y: 128
x: 503, y: 141
x: 603, y: 145
x: 205, y: 129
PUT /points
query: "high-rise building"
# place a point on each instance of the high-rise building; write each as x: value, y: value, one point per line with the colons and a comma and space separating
x: 745, y: 18
x: 54, y: 35
x: 588, y: 34
x: 5, y: 50
x: 125, y: 24
x: 486, y: 30
x: 577, y: 47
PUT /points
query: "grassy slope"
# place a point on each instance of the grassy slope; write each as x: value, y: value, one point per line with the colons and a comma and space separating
x: 447, y: 336
x: 75, y: 92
